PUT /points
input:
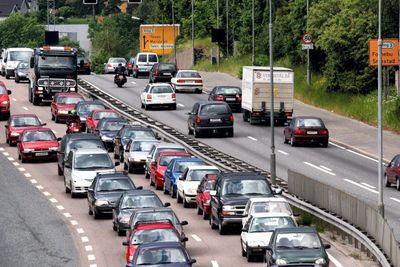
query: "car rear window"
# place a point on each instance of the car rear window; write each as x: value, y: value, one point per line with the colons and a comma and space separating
x: 90, y: 107
x: 3, y: 90
x: 309, y: 123
x: 181, y: 166
x: 165, y: 160
x: 117, y: 60
x: 228, y: 91
x: 214, y: 109
x: 142, y: 146
x: 142, y: 58
x: 142, y: 134
x: 189, y: 74
x: 153, y: 58
x: 161, y: 90
x: 69, y: 100
x: 100, y: 115
x: 167, y: 67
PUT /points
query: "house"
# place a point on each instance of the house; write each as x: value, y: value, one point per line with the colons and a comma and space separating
x: 7, y: 7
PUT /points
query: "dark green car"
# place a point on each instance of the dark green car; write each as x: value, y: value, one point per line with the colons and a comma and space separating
x: 296, y: 245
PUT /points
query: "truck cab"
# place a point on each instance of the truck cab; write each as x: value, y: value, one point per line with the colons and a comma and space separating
x: 53, y: 69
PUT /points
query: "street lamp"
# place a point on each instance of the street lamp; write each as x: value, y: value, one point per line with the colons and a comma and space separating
x: 173, y: 24
x: 272, y: 119
x: 193, y: 60
x: 252, y: 32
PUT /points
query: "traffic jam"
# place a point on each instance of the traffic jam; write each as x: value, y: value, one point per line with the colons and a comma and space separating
x: 101, y: 150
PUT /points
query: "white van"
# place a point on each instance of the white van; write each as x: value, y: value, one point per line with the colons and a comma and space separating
x: 2, y: 63
x: 143, y: 63
x: 13, y: 56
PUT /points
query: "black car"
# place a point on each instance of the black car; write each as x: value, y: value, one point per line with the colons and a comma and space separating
x: 127, y: 133
x: 76, y: 140
x: 105, y: 191
x: 230, y: 94
x: 84, y: 108
x: 21, y: 72
x: 162, y: 72
x: 211, y: 117
x: 130, y: 65
x: 83, y: 66
x: 129, y: 202
x: 107, y: 129
x: 306, y: 130
x: 232, y: 191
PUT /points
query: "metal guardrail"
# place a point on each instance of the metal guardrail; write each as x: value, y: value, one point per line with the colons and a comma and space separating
x: 227, y: 162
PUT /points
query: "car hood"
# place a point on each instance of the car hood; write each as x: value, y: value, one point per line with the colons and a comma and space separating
x: 21, y: 129
x: 168, y: 265
x: 40, y: 144
x: 12, y: 64
x: 110, y: 196
x: 139, y: 155
x: 235, y: 200
x: 300, y: 255
x: 89, y: 175
x: 261, y: 238
x: 190, y: 185
x: 83, y: 115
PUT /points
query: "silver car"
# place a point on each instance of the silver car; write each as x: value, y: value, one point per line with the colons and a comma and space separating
x: 112, y: 64
x: 136, y: 152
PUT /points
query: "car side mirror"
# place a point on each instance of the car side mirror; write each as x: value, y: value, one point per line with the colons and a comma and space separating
x: 44, y: 124
x: 245, y: 230
x: 59, y: 139
x: 167, y: 204
x: 125, y: 243
x: 139, y: 188
x: 117, y: 163
x: 181, y: 178
x: 9, y: 92
x: 277, y: 191
x: 185, y: 239
x: 213, y: 193
x: 192, y: 261
x: 327, y: 246
x: 184, y: 223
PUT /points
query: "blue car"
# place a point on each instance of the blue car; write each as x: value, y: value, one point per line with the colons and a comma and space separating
x: 175, y: 168
x: 162, y: 254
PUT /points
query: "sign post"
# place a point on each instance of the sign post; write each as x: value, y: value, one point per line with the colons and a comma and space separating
x: 307, y: 44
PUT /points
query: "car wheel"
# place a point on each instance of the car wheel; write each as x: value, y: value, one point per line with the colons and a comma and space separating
x: 114, y: 226
x: 90, y: 212
x: 185, y: 203
x: 16, y: 79
x: 172, y: 191
x: 7, y: 76
x: 285, y: 140
x: 151, y: 182
x: 221, y: 228
x: 198, y: 210
x: 146, y: 107
x: 141, y: 105
x: 398, y: 183
x: 146, y: 173
x: 386, y: 181
x: 67, y: 190
x: 241, y: 248
x: 52, y: 116
x: 230, y: 133
x: 173, y: 107
x: 325, y: 144
x: 130, y: 168
x: 166, y: 192
x: 205, y: 215
x: 22, y: 159
x: 212, y: 223
x: 196, y: 133
x: 292, y: 141
x: 116, y: 156
x: 120, y: 232
x: 125, y: 166
x: 73, y: 195
x: 190, y: 131
x: 179, y: 199
x: 56, y: 119
x: 121, y: 156
x: 248, y: 255
x: 96, y: 215
x: 59, y: 170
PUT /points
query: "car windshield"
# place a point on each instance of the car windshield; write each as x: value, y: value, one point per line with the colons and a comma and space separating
x: 159, y: 256
x: 266, y: 224
x: 309, y: 123
x: 165, y: 160
x: 228, y: 91
x: 271, y: 206
x: 141, y: 201
x: 116, y: 184
x: 170, y: 67
x: 246, y: 187
x: 182, y: 165
x: 197, y: 175
x: 34, y: 136
x: 104, y: 114
x: 113, y: 125
x: 189, y: 74
x: 23, y: 65
x: 140, y: 134
x: 214, y: 109
x: 154, y: 235
x: 19, y: 55
x: 152, y: 58
x: 57, y: 62
x: 161, y: 90
x: 93, y: 161
x: 84, y: 143
x: 3, y: 90
x: 25, y: 121
x: 297, y: 241
x: 89, y: 107
x: 142, y: 146
x: 117, y: 60
x: 157, y: 215
x: 68, y: 100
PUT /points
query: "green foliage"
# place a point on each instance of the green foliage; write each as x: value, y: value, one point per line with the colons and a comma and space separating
x: 66, y: 11
x: 65, y: 41
x: 21, y: 30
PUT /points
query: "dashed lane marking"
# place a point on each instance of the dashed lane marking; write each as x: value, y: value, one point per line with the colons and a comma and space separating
x: 16, y: 163
x: 93, y: 265
x: 14, y: 99
x: 91, y: 257
x: 1, y: 149
x: 395, y: 199
x: 74, y: 222
x: 283, y: 152
x: 85, y: 239
x: 21, y: 169
x: 53, y: 200
x: 89, y: 248
x: 39, y: 187
x: 10, y: 158
x: 68, y: 215
x: 334, y: 260
x: 46, y: 194
x: 252, y: 138
x: 80, y: 230
x: 27, y: 174
x: 60, y: 207
x: 181, y: 105
x: 319, y: 168
x: 196, y: 237
x: 325, y: 168
x: 25, y: 108
x: 368, y: 185
x: 6, y: 154
x: 214, y: 263
x: 360, y: 185
x: 33, y: 181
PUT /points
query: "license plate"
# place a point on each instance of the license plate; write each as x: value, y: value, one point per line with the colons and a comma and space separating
x: 42, y: 154
x: 167, y: 73
x: 121, y: 77
x: 188, y: 81
x: 312, y: 132
x: 230, y: 99
x: 215, y: 120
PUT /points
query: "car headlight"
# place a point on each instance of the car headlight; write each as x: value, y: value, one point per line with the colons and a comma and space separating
x: 124, y: 219
x: 105, y: 138
x: 191, y: 191
x: 137, y: 159
x: 320, y: 261
x: 72, y: 89
x: 228, y: 207
x: 101, y: 202
x: 63, y: 112
x: 5, y: 102
x: 53, y: 148
x: 14, y: 134
x: 280, y: 262
x: 40, y: 88
x: 29, y: 150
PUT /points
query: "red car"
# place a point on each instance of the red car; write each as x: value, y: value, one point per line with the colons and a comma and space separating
x: 306, y: 130
x: 62, y: 104
x: 203, y: 197
x: 392, y: 173
x: 150, y: 232
x: 17, y: 123
x: 37, y: 143
x: 96, y: 115
x: 4, y: 101
x: 158, y: 167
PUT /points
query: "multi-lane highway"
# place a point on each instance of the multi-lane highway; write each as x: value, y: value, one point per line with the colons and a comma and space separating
x: 95, y: 242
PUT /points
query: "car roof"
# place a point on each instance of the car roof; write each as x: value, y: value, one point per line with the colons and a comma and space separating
x: 69, y: 94
x: 227, y: 86
x: 104, y: 110
x: 160, y: 84
x: 268, y: 199
x: 187, y: 159
x: 114, y: 119
x: 296, y: 230
x: 160, y: 224
x: 145, y: 140
x: 306, y: 117
x: 155, y: 245
x: 112, y: 175
x: 169, y: 145
x: 23, y: 115
x: 35, y: 128
x: 174, y: 153
x: 88, y: 102
x: 270, y: 214
x: 241, y: 175
x: 188, y: 71
x: 202, y: 167
x: 78, y: 136
x: 137, y: 127
x: 91, y: 151
x: 141, y: 192
x: 158, y: 209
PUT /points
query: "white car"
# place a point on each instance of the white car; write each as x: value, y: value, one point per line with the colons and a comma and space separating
x: 13, y: 56
x: 81, y: 167
x: 264, y: 205
x: 112, y: 64
x: 187, y: 81
x: 257, y: 232
x: 158, y: 94
x: 136, y: 153
x: 189, y: 181
x: 144, y: 63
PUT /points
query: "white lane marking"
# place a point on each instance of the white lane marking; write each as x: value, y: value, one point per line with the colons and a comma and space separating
x: 91, y: 257
x: 33, y: 181
x: 368, y: 185
x: 319, y: 168
x: 25, y: 108
x: 10, y: 158
x: 80, y: 230
x: 214, y: 263
x: 46, y: 194
x: 325, y: 168
x: 251, y: 138
x: 361, y: 155
x: 85, y: 239
x: 60, y: 207
x: 362, y: 186
x: 21, y: 169
x: 6, y: 154
x: 133, y: 82
x: 93, y: 265
x: 181, y: 105
x: 1, y: 149
x: 283, y: 152
x: 395, y: 199
x: 14, y: 99
x: 337, y: 146
x: 73, y: 222
x: 16, y: 163
x: 68, y: 215
x: 89, y: 248
x: 196, y: 237
x: 39, y: 187
x: 27, y: 174
x: 53, y: 200
x: 334, y: 260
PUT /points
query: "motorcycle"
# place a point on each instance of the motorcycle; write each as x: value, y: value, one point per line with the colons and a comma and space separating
x: 73, y: 127
x: 120, y: 80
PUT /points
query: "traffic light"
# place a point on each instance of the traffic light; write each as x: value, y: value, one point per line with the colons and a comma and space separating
x: 90, y: 2
x: 134, y: 1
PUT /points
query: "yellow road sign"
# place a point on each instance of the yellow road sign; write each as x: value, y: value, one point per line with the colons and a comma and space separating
x: 158, y: 38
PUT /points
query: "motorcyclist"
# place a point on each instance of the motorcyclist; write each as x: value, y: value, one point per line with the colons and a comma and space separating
x: 73, y: 117
x: 120, y: 70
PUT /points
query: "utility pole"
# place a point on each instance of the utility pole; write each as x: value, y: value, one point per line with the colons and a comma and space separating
x: 252, y: 32
x: 308, y: 54
x: 193, y: 60
x: 173, y: 23
x: 218, y: 28
x: 272, y: 113
x: 51, y: 18
x: 227, y: 28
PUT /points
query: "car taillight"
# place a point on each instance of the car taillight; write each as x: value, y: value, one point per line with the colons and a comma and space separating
x: 149, y: 97
x: 86, y: 65
x: 156, y: 71
x: 173, y: 96
x: 198, y: 81
x: 130, y: 65
x: 323, y: 132
x: 299, y: 131
x: 219, y: 98
x: 109, y: 65
x: 238, y: 98
x: 231, y: 118
x: 137, y: 67
x: 180, y: 81
x: 198, y: 120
